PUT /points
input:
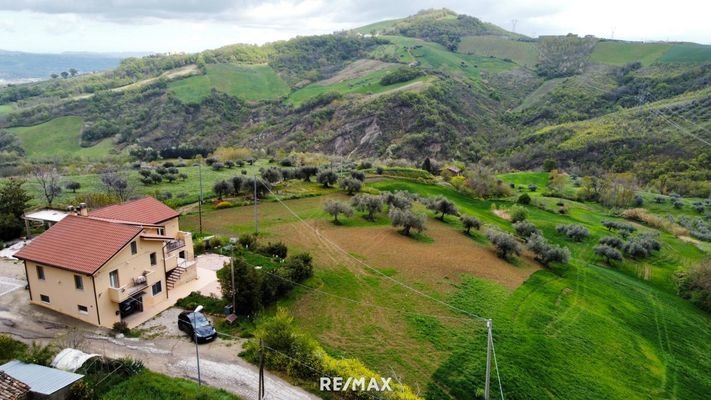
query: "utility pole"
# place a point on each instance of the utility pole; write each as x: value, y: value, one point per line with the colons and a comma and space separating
x: 489, y: 343
x: 261, y: 370
x: 200, y: 200
x: 234, y: 289
x: 256, y: 222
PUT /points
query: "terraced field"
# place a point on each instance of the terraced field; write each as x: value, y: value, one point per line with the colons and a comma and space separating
x: 522, y: 53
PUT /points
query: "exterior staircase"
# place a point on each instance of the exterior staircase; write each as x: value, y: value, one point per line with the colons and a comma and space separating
x: 174, y: 276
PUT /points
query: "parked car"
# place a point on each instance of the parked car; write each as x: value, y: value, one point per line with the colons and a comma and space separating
x: 197, y: 326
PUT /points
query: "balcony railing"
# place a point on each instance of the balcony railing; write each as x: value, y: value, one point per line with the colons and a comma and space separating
x: 120, y: 294
x: 175, y: 245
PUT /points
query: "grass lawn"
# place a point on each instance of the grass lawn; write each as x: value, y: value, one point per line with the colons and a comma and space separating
x: 576, y: 332
x: 620, y: 53
x: 59, y: 137
x: 246, y: 82
x: 522, y: 53
x: 6, y: 108
x: 148, y: 385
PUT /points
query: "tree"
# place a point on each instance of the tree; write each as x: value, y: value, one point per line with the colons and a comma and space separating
x: 14, y: 199
x: 64, y: 74
x: 368, y: 203
x: 237, y: 182
x: 609, y: 253
x: 576, y: 232
x: 524, y: 199
x: 248, y: 284
x: 407, y: 220
x: 399, y: 199
x: 505, y: 244
x: 116, y: 185
x: 518, y: 214
x: 48, y: 180
x: 221, y: 188
x: 54, y: 76
x: 271, y: 175
x: 327, y: 178
x: 351, y: 185
x: 549, y: 165
x: 336, y: 207
x: 695, y: 284
x: 443, y: 205
x: 306, y: 173
x: 547, y: 253
x: 73, y: 72
x: 262, y: 187
x: 171, y: 178
x: 470, y: 222
x: 525, y: 229
x: 612, y: 242
x: 73, y: 186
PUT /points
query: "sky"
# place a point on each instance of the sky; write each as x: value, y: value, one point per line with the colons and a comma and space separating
x: 54, y: 26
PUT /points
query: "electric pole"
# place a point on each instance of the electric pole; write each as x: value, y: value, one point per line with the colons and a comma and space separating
x: 489, y: 343
x: 261, y: 370
x: 200, y: 199
x: 234, y: 289
x: 256, y: 223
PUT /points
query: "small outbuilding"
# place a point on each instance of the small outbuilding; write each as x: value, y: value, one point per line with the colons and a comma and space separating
x: 44, y: 383
x: 12, y: 389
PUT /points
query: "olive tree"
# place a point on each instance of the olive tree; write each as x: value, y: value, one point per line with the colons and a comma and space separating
x: 221, y: 188
x: 547, y: 253
x: 470, y: 222
x: 368, y: 203
x: 442, y: 205
x: 327, y: 178
x: 335, y: 208
x: 407, y: 220
x: 609, y: 253
x: 505, y: 244
x: 351, y: 185
x: 576, y: 232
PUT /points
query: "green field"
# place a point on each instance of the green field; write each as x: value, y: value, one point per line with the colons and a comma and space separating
x: 148, y: 385
x: 620, y: 53
x: 59, y: 137
x: 522, y: 53
x: 378, y: 26
x: 435, y: 56
x: 246, y: 82
x: 687, y: 53
x: 6, y: 108
x: 368, y: 84
x: 582, y: 331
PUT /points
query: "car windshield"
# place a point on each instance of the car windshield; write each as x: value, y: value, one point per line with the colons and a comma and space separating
x: 199, y: 320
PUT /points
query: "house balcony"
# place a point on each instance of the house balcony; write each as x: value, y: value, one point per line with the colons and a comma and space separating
x: 137, y: 285
x: 174, y: 245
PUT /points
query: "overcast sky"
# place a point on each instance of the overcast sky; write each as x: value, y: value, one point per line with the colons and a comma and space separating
x: 192, y: 25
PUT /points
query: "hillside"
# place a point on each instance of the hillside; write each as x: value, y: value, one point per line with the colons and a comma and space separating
x: 435, y: 84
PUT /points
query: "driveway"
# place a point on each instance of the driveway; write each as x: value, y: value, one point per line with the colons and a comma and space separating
x: 168, y: 350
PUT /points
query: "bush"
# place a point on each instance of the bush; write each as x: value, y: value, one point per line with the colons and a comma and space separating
x: 402, y: 74
x: 547, y: 253
x: 407, y: 220
x: 10, y: 348
x: 278, y: 249
x: 518, y: 214
x: 532, y: 187
x: 212, y: 305
x: 612, y: 242
x: 694, y: 284
x: 327, y: 178
x: 223, y: 204
x: 524, y: 199
x: 300, y: 267
x: 505, y: 244
x: 248, y: 242
x: 575, y: 232
x: 121, y: 327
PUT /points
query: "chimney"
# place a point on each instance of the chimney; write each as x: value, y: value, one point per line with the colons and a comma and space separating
x: 83, y: 211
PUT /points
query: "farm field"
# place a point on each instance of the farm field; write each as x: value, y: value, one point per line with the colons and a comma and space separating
x: 246, y: 82
x: 59, y: 137
x: 620, y: 53
x: 547, y: 321
x: 522, y: 53
x: 6, y: 108
x: 687, y: 53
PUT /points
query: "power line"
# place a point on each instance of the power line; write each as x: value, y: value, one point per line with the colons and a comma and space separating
x: 496, y: 367
x: 377, y: 271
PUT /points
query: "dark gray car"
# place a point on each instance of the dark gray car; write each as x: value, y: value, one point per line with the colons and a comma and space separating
x: 197, y: 326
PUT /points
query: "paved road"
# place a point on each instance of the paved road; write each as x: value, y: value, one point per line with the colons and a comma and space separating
x: 170, y: 353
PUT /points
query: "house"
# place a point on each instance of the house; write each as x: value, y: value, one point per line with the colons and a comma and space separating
x: 104, y: 266
x: 42, y: 382
x: 12, y: 389
x: 454, y: 170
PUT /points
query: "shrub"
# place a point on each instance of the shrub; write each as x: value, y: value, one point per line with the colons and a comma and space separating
x: 518, y: 214
x: 73, y: 186
x: 532, y: 187
x: 635, y: 250
x: 644, y: 216
x: 10, y: 348
x: 505, y: 244
x: 278, y: 249
x: 223, y: 204
x: 694, y: 284
x: 609, y: 253
x: 121, y: 327
x: 470, y: 222
x: 402, y: 74
x: 248, y: 242
x: 525, y: 229
x: 299, y: 267
x: 524, y: 199
x: 575, y: 232
x: 638, y: 201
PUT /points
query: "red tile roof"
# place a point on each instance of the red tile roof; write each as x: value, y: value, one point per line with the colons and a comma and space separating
x: 147, y: 211
x: 79, y: 244
x: 11, y: 388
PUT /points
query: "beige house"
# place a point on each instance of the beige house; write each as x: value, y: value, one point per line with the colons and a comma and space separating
x: 104, y: 266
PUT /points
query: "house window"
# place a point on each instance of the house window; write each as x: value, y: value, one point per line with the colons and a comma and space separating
x: 84, y: 310
x: 44, y: 298
x: 161, y: 231
x: 134, y: 247
x: 114, y: 279
x: 79, y: 282
x: 157, y: 288
x: 40, y: 273
x: 154, y: 259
